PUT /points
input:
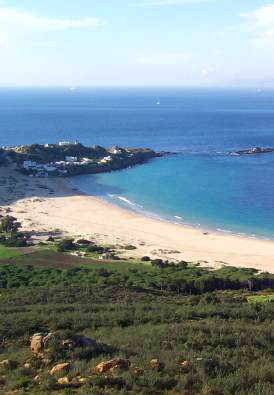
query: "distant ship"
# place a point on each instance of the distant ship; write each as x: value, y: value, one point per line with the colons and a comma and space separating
x: 158, y: 102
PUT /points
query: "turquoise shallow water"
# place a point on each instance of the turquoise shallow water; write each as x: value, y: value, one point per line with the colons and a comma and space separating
x: 211, y: 191
x: 201, y: 186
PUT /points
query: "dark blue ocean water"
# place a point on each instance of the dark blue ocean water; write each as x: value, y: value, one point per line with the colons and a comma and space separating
x: 201, y: 185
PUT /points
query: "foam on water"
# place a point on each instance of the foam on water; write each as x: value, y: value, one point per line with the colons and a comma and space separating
x: 126, y: 200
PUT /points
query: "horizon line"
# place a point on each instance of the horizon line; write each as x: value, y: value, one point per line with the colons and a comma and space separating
x: 75, y: 87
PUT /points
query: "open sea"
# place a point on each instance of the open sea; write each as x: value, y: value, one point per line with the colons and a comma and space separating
x: 201, y: 186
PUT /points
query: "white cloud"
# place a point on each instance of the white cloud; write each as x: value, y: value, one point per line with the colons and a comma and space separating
x: 261, y: 24
x: 12, y: 18
x: 261, y: 17
x: 149, y: 3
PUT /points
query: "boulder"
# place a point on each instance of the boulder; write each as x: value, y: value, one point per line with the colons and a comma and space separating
x: 68, y: 343
x: 38, y: 342
x: 7, y: 364
x: 137, y: 371
x: 255, y: 150
x: 112, y: 364
x: 82, y: 379
x: 184, y: 364
x: 63, y: 381
x: 59, y: 367
x: 156, y: 364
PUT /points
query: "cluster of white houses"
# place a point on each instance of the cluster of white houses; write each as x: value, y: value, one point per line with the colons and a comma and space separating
x: 60, y: 167
x: 42, y: 170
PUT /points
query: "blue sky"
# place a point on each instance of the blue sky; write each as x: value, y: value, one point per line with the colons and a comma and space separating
x: 136, y: 42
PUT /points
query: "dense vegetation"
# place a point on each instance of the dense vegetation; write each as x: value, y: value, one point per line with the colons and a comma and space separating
x: 210, y: 344
x: 23, y: 271
x: 53, y: 152
x: 42, y: 153
x: 179, y: 329
x: 9, y: 234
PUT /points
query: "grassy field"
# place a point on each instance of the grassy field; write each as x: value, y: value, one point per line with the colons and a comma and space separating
x: 254, y: 299
x: 8, y: 253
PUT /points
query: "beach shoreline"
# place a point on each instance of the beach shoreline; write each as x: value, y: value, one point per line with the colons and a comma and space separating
x: 139, y: 210
x: 47, y: 205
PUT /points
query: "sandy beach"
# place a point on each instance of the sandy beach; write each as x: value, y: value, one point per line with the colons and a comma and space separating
x: 49, y: 205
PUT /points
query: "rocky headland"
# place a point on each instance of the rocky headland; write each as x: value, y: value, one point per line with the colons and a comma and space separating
x: 253, y: 151
x: 67, y: 159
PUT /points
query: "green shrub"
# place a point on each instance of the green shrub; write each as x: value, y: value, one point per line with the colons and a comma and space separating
x: 130, y: 247
x: 23, y: 382
x: 95, y: 248
x: 66, y: 245
x: 145, y: 259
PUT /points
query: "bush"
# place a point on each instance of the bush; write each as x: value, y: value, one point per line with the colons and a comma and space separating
x: 66, y: 245
x: 16, y: 242
x: 130, y: 247
x: 183, y: 264
x: 158, y: 263
x: 145, y: 259
x: 9, y: 224
x: 95, y: 248
x: 22, y: 382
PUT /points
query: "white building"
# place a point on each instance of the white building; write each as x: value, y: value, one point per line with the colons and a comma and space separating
x: 115, y: 150
x: 71, y: 159
x: 62, y: 143
x: 106, y: 159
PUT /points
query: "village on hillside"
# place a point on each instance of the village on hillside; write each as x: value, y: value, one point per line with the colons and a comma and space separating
x: 72, y: 158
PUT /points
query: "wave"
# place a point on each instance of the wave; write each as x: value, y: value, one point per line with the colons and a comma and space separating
x: 126, y: 200
x: 224, y: 230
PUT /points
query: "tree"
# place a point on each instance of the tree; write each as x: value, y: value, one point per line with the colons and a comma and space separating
x: 183, y: 264
x: 158, y: 263
x: 66, y: 245
x: 9, y: 224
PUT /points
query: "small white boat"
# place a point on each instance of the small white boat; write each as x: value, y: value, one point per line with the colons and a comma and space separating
x: 158, y: 102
